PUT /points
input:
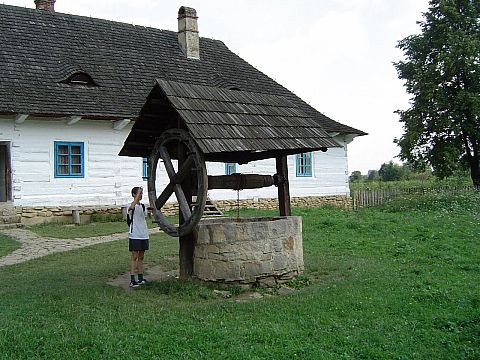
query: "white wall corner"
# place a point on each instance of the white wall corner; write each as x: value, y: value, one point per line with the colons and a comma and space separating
x: 20, y: 118
x: 120, y: 124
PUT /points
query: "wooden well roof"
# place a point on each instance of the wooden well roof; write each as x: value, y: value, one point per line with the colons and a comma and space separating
x: 228, y: 125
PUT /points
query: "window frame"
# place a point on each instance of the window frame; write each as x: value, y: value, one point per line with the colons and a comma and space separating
x: 304, y: 169
x: 227, y: 166
x: 56, y: 146
x: 145, y: 168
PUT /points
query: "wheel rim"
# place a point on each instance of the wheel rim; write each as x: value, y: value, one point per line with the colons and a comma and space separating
x: 194, y: 164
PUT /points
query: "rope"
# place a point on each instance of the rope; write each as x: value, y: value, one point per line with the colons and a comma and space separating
x: 238, y: 204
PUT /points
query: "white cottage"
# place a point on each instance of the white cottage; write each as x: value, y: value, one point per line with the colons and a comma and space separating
x: 72, y: 87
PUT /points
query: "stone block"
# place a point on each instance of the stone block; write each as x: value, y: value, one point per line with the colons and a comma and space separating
x: 29, y: 214
x: 228, y: 271
x: 203, y: 269
x: 279, y: 262
x: 268, y: 281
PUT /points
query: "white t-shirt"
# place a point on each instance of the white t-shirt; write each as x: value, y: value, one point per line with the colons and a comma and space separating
x: 138, y: 228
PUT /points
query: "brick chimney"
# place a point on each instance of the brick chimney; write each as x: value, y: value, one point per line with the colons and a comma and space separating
x: 45, y: 4
x: 188, y: 32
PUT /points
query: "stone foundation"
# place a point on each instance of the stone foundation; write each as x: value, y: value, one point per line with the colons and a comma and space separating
x: 340, y: 201
x: 40, y: 214
x: 263, y: 251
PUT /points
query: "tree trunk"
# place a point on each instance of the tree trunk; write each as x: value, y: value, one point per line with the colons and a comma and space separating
x: 475, y: 170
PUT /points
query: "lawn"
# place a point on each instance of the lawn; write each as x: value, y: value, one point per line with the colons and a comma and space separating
x: 7, y: 245
x: 397, y: 282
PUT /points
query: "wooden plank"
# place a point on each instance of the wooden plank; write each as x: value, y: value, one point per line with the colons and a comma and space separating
x: 283, y: 187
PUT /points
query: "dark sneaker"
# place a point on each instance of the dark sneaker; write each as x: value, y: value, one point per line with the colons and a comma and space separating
x: 134, y: 284
x: 144, y: 281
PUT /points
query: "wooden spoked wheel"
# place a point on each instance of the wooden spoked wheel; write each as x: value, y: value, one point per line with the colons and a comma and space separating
x: 191, y: 171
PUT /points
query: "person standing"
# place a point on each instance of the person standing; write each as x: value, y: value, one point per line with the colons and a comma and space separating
x: 138, y: 240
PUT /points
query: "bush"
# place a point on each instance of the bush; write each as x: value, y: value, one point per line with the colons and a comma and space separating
x: 98, y: 217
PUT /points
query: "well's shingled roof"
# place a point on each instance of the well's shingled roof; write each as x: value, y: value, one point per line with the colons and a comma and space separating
x: 40, y: 49
x: 226, y: 121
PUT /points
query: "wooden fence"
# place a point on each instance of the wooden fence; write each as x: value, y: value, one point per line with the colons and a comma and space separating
x: 366, y: 198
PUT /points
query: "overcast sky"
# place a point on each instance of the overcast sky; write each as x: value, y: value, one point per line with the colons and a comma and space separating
x: 335, y: 54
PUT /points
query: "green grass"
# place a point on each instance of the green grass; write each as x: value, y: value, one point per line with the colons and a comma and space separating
x: 7, y: 245
x: 396, y: 282
x: 452, y: 182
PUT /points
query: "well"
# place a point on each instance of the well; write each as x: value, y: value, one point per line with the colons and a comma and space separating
x: 261, y: 250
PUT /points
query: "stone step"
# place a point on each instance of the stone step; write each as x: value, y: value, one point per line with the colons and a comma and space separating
x: 210, y: 208
x: 10, y: 219
x: 7, y: 209
x: 11, y: 226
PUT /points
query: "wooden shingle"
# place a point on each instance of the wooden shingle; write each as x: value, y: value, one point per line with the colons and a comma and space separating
x: 225, y: 123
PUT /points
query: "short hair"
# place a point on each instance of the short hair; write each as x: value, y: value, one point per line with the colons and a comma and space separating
x: 135, y: 190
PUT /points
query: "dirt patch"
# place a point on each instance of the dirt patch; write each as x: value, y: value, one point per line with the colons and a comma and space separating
x: 155, y: 273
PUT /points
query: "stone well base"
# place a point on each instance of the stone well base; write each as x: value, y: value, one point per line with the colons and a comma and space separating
x: 264, y: 250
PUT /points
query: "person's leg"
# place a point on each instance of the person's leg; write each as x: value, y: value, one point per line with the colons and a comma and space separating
x: 133, y: 261
x: 141, y: 255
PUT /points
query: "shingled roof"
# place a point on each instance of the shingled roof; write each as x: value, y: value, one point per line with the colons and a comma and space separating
x: 39, y: 50
x: 227, y: 125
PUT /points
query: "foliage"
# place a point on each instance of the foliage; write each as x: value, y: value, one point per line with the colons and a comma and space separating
x: 356, y: 175
x: 97, y: 217
x: 373, y: 175
x: 394, y: 172
x: 446, y: 202
x: 391, y: 172
x: 383, y: 285
x: 442, y: 73
x: 428, y: 183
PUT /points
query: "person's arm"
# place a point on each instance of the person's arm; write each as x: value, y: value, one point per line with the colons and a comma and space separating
x: 136, y: 200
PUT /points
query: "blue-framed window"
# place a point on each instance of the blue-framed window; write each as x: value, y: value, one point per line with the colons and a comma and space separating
x: 230, y: 168
x: 69, y: 159
x: 145, y: 169
x: 304, y: 164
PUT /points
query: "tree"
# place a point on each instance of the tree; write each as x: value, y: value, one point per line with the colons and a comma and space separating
x: 356, y: 175
x: 391, y: 172
x: 442, y: 73
x: 373, y: 175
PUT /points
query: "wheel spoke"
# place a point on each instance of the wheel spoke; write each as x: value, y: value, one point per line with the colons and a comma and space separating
x: 164, y: 196
x: 167, y: 161
x: 182, y: 202
x: 184, y: 169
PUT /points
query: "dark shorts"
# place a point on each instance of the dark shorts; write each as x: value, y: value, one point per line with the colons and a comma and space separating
x: 137, y: 245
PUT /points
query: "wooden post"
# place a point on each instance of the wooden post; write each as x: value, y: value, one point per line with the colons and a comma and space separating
x: 76, y: 216
x: 186, y: 242
x: 283, y: 187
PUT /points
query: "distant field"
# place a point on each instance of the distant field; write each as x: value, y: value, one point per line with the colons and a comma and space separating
x: 392, y: 282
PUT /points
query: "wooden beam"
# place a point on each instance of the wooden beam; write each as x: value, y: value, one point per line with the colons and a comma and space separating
x: 120, y: 124
x: 20, y: 118
x: 244, y: 157
x: 283, y: 187
x: 73, y: 119
x: 240, y: 181
x: 186, y: 242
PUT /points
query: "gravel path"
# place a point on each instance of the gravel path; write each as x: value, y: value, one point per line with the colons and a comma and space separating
x: 34, y: 246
